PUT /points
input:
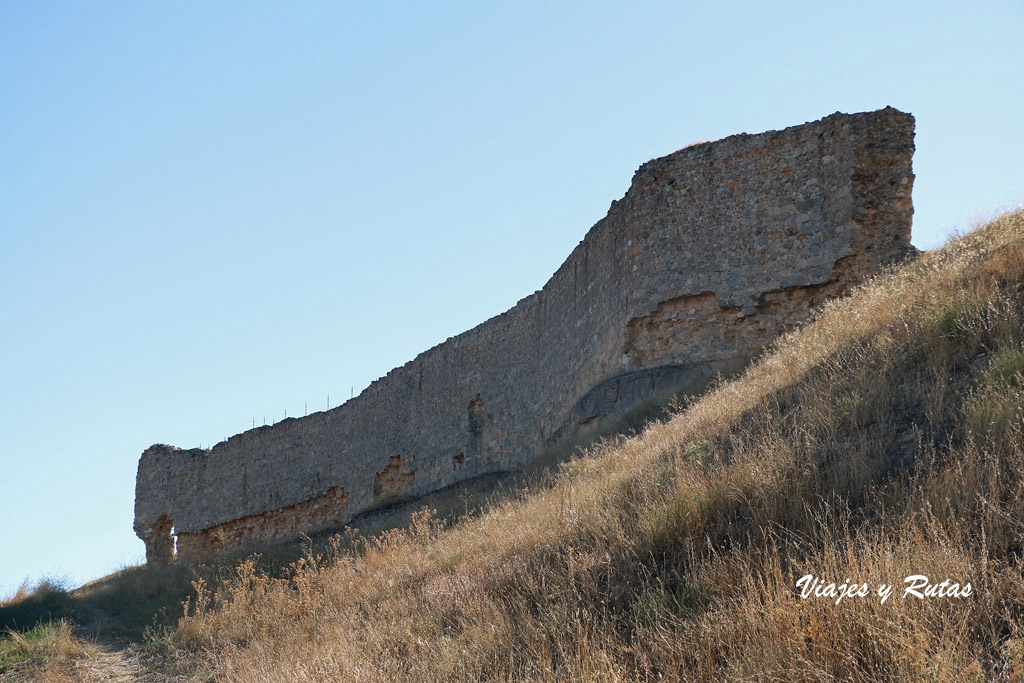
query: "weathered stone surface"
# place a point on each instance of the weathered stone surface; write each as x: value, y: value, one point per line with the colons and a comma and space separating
x: 288, y: 522
x: 712, y: 253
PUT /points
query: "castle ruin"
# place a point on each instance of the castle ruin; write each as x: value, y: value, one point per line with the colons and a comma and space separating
x: 712, y: 253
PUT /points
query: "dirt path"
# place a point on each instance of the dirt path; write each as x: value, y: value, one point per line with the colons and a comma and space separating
x: 111, y: 658
x: 97, y: 663
x: 112, y: 665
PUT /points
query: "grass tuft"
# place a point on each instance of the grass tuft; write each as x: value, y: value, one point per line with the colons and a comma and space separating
x: 46, y: 643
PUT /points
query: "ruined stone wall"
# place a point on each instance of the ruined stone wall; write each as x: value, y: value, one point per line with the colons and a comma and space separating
x: 712, y: 253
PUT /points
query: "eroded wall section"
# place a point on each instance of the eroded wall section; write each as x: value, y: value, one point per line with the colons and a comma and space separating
x: 713, y: 252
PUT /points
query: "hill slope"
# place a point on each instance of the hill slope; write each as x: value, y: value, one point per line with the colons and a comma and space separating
x: 883, y: 440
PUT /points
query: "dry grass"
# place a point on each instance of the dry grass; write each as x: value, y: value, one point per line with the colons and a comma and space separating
x: 881, y: 441
x: 48, y: 651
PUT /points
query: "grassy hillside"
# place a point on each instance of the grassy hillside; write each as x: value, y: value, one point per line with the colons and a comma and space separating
x: 883, y: 440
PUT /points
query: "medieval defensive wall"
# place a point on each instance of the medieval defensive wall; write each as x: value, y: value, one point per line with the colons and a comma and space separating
x: 712, y: 253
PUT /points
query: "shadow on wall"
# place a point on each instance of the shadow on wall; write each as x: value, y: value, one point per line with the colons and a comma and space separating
x: 626, y: 401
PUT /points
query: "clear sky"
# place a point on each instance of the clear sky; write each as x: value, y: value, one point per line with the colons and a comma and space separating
x: 215, y: 213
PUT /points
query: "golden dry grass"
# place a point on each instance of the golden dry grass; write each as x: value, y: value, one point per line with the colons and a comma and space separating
x: 48, y: 652
x: 882, y: 440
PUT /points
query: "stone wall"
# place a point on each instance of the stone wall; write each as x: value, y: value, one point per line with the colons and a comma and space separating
x: 713, y: 252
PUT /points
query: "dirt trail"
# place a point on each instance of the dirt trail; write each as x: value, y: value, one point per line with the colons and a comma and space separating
x: 112, y: 658
x: 105, y: 657
x: 112, y: 665
x: 100, y: 662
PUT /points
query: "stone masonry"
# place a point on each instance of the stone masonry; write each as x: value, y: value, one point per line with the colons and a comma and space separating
x: 712, y: 253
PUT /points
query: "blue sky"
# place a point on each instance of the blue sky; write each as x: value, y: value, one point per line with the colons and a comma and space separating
x: 214, y: 213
